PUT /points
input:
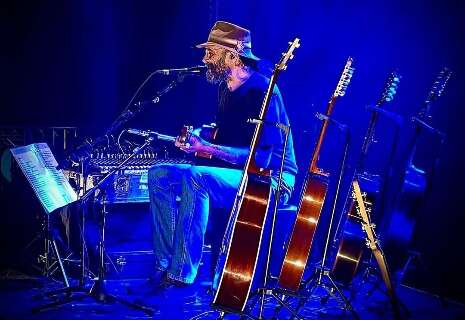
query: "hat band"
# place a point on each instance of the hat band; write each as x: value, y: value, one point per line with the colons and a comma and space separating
x: 237, y: 45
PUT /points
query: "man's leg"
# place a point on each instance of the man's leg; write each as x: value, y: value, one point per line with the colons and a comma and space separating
x: 201, y: 188
x: 164, y: 182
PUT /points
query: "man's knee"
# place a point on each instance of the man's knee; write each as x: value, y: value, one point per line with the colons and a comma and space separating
x: 164, y: 175
x: 193, y: 176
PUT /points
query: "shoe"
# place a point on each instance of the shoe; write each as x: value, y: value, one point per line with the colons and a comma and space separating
x: 168, y: 287
x: 168, y: 283
x: 148, y: 286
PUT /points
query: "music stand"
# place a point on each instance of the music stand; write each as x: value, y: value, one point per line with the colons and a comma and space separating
x: 39, y: 166
x: 98, y: 290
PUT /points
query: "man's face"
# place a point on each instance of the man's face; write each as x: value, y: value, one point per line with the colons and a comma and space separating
x: 215, y: 60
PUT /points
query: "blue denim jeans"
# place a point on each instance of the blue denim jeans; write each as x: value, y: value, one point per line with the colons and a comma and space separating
x: 181, y: 196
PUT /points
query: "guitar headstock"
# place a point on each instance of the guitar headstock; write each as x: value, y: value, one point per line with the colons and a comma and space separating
x: 439, y: 84
x: 390, y: 88
x: 288, y: 55
x: 435, y: 92
x: 363, y: 207
x: 367, y: 203
x: 345, y: 78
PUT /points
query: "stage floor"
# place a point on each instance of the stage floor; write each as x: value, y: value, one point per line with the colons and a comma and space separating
x: 20, y: 294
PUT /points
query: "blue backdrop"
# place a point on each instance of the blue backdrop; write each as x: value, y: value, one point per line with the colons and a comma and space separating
x: 78, y: 63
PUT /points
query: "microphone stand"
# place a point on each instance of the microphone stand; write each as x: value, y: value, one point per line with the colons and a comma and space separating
x: 98, y: 290
x: 80, y: 157
x: 84, y: 150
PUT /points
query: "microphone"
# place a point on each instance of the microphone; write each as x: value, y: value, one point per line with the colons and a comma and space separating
x: 142, y: 133
x: 197, y: 70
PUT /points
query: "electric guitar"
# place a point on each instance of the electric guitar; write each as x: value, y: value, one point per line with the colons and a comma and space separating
x: 414, y: 182
x: 351, y: 237
x: 311, y: 201
x: 241, y: 244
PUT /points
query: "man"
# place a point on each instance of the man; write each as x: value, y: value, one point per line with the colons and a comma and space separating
x: 181, y: 195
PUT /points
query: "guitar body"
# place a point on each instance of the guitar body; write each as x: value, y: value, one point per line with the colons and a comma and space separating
x: 399, y: 231
x: 238, y: 268
x: 352, y: 242
x: 308, y: 215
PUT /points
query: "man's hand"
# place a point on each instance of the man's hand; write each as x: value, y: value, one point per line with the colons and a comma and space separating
x: 194, y: 144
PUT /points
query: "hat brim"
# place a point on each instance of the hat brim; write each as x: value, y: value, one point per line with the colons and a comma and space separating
x: 248, y: 54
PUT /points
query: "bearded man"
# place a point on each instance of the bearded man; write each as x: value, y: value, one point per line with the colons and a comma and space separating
x: 182, y: 195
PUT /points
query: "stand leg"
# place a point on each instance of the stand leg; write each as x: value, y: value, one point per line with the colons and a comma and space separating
x: 63, y: 272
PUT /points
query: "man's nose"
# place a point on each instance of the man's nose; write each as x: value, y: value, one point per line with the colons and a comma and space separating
x: 206, y: 58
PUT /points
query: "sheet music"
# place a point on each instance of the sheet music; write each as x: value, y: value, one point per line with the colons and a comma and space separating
x: 39, y: 166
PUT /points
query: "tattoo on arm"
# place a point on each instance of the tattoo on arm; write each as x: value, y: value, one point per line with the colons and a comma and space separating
x: 229, y: 154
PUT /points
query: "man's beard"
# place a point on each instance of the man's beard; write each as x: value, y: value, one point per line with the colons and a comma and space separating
x: 218, y: 72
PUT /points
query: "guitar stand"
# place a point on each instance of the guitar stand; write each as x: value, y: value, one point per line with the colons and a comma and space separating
x: 372, y: 270
x: 322, y: 277
x: 98, y: 290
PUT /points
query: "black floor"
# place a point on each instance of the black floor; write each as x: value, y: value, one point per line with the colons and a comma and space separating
x: 21, y: 295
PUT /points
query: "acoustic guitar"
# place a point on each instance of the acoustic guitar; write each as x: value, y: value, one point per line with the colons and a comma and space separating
x: 207, y: 132
x: 373, y: 243
x: 351, y: 237
x: 413, y: 183
x: 311, y: 201
x: 241, y: 243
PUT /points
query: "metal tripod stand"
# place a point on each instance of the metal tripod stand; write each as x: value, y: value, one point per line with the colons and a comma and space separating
x: 50, y: 251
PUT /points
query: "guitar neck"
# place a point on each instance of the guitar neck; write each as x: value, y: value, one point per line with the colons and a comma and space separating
x: 165, y: 137
x: 367, y: 140
x: 316, y: 153
x: 250, y: 166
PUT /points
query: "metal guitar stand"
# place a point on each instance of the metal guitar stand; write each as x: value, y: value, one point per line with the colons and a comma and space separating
x: 98, y: 290
x: 265, y: 290
x: 322, y: 277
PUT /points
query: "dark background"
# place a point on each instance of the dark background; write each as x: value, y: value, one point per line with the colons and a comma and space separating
x: 77, y: 63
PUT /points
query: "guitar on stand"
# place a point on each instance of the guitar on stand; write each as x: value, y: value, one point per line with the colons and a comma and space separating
x: 373, y: 243
x: 242, y: 240
x: 311, y: 201
x: 414, y: 182
x: 351, y: 238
